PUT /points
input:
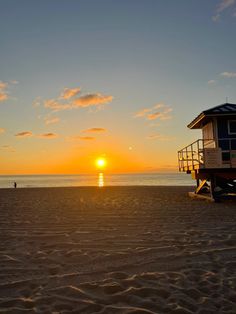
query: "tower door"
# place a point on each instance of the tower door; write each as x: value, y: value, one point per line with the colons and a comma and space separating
x: 208, y: 136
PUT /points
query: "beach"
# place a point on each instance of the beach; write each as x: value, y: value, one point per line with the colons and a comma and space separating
x: 116, y: 250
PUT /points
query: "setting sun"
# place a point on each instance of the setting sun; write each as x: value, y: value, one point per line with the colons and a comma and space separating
x: 101, y: 163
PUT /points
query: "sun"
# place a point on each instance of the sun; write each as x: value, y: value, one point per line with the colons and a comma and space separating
x: 101, y: 163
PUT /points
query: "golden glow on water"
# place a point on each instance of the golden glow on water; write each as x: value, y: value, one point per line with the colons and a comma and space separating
x: 100, y: 180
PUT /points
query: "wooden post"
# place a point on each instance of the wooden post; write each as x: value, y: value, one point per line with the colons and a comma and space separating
x: 212, y: 188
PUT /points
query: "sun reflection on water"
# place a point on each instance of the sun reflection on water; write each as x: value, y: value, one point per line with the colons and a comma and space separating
x: 100, y: 180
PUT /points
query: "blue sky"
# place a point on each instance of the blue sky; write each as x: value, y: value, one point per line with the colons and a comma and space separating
x: 140, y: 53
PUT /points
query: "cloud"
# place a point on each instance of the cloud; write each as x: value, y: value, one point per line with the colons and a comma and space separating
x: 228, y: 74
x: 51, y: 120
x: 159, y: 137
x: 55, y: 105
x: 160, y: 105
x: 94, y: 130
x: 24, y: 134
x: 86, y: 138
x: 68, y: 101
x: 36, y: 102
x: 211, y: 82
x: 8, y: 148
x: 47, y: 135
x: 14, y: 82
x: 3, y: 91
x: 222, y: 6
x: 216, y: 18
x: 151, y: 114
x: 70, y: 92
x: 154, y: 116
x: 3, y: 85
x: 3, y: 96
x: 142, y: 112
x: 165, y: 114
x: 30, y: 134
x: 91, y: 100
x: 2, y: 130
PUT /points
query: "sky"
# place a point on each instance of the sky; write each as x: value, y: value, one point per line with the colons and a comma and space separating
x: 83, y: 79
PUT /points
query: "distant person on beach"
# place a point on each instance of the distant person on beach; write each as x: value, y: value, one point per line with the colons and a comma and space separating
x: 15, y: 185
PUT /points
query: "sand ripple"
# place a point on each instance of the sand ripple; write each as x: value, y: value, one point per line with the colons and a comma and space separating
x: 116, y: 250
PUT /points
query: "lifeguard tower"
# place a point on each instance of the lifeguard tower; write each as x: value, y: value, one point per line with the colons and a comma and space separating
x: 212, y: 159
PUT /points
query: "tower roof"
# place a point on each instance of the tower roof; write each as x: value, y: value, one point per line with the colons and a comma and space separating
x: 226, y: 109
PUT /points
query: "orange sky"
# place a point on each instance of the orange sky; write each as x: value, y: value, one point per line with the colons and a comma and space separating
x: 120, y: 79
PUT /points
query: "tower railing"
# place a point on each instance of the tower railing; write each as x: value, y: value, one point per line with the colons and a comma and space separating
x: 192, y: 157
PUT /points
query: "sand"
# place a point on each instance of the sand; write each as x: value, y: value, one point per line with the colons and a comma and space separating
x: 116, y: 250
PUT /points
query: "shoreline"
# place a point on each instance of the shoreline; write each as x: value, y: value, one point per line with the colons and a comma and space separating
x: 96, y: 186
x: 126, y: 249
x: 101, y: 179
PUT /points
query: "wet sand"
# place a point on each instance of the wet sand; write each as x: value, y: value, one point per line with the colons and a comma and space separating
x: 116, y: 250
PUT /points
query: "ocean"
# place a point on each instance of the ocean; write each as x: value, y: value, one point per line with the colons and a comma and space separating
x: 100, y: 179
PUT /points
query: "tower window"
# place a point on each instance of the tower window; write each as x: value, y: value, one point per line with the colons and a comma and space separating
x: 232, y: 126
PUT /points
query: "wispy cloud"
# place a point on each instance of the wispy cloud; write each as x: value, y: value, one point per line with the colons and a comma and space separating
x: 55, y: 105
x: 30, y: 134
x: 222, y: 6
x: 84, y: 138
x: 211, y: 82
x: 228, y: 74
x: 159, y: 137
x: 51, y: 120
x: 216, y: 18
x: 24, y: 134
x: 14, y: 82
x: 5, y: 88
x: 154, y: 116
x: 159, y: 105
x: 70, y: 92
x: 8, y: 148
x: 87, y: 137
x: 90, y: 100
x: 224, y: 75
x: 163, y: 113
x: 2, y: 130
x: 143, y: 112
x: 94, y: 130
x: 68, y: 100
x: 47, y: 135
x: 36, y: 102
x: 3, y: 85
x: 3, y: 91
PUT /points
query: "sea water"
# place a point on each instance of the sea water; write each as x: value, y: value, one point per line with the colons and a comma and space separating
x: 99, y: 179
